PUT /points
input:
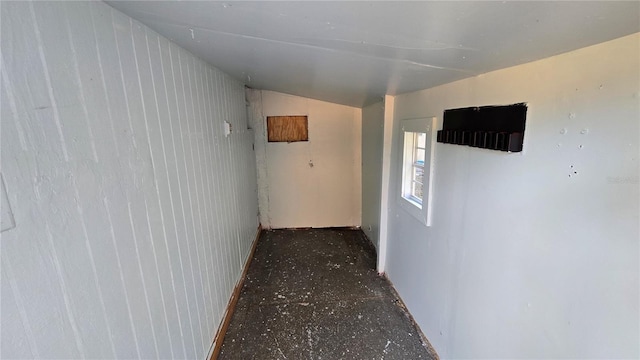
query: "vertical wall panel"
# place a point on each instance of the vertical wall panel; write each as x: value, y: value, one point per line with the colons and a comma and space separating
x: 134, y: 213
x: 24, y: 111
x: 372, y: 144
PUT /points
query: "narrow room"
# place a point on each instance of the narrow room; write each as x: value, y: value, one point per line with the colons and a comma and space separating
x: 319, y: 180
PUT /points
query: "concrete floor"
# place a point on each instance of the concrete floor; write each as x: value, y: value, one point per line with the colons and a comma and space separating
x: 315, y: 294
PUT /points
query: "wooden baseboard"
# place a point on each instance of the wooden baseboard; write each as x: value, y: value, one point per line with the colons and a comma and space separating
x: 224, y: 325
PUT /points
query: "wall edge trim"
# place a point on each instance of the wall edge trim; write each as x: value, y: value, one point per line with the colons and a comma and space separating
x: 218, y: 339
x: 385, y: 191
x: 430, y: 349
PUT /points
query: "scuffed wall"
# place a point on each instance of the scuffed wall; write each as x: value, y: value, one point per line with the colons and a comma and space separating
x: 315, y: 183
x: 531, y: 254
x: 133, y: 212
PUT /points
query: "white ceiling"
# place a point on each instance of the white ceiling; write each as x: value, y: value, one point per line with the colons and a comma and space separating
x: 353, y: 53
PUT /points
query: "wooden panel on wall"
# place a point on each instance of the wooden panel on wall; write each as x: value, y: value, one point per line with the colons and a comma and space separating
x: 287, y: 128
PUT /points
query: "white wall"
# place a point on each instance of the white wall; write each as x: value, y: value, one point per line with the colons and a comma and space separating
x: 291, y: 192
x: 532, y: 254
x: 372, y: 144
x: 134, y: 214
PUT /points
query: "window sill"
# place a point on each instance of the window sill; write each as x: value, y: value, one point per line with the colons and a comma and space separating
x: 413, y: 208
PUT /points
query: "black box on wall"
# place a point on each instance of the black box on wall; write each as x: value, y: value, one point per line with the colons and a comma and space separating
x: 488, y: 127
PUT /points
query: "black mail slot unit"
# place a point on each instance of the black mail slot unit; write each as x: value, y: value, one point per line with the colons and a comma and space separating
x: 488, y: 127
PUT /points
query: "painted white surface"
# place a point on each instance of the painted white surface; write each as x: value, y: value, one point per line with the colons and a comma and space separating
x: 385, y: 194
x: 354, y: 52
x: 6, y: 216
x: 372, y: 138
x: 532, y: 254
x: 315, y: 183
x: 133, y: 212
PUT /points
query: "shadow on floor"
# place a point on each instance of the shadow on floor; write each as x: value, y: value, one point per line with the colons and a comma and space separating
x: 315, y: 294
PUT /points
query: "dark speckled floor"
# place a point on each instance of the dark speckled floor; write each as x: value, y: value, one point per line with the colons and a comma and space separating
x: 315, y: 294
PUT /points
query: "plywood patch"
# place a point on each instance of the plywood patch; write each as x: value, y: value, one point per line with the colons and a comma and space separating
x: 287, y: 128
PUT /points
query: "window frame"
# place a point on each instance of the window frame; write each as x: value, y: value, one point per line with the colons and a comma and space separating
x: 420, y: 208
x: 412, y: 146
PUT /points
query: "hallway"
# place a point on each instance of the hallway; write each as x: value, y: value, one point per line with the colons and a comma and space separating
x: 146, y: 145
x: 315, y: 294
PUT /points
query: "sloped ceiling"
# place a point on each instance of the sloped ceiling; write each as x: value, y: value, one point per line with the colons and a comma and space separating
x: 353, y: 53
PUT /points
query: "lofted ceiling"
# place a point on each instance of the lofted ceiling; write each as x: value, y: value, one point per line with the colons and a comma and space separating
x: 353, y: 53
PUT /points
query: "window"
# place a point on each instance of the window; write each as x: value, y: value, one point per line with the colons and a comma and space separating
x: 417, y: 168
x: 413, y: 175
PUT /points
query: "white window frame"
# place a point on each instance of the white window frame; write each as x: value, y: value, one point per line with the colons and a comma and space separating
x: 418, y: 208
x: 410, y: 163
